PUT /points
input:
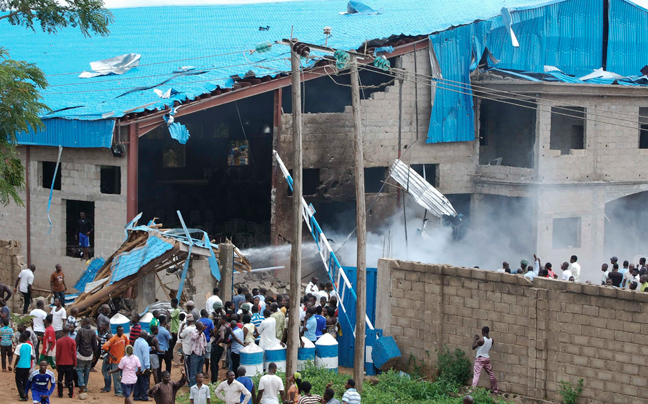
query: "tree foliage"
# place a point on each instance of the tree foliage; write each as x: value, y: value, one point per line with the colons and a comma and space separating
x: 21, y: 82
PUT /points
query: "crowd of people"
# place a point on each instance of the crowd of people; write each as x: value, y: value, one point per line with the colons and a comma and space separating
x: 202, y: 341
x: 625, y: 275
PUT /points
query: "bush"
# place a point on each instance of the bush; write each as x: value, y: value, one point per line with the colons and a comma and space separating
x: 569, y: 393
x: 454, y: 368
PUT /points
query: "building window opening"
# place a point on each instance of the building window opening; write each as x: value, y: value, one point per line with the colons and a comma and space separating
x: 429, y: 172
x: 567, y: 129
x: 566, y: 233
x: 79, y: 229
x: 49, y: 167
x: 643, y: 128
x: 110, y: 180
x: 374, y: 179
x: 310, y: 181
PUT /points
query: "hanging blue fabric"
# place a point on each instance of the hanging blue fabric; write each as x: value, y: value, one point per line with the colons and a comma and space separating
x: 49, y: 203
x: 178, y: 131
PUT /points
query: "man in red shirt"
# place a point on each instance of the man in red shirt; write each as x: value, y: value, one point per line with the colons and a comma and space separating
x: 135, y: 328
x: 115, y: 348
x: 66, y: 361
x: 49, y: 342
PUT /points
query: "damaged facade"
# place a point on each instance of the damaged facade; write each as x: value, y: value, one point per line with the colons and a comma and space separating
x: 562, y: 174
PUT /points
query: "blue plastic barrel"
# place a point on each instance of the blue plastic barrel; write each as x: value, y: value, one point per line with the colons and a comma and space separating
x: 326, y: 353
x: 305, y: 354
x: 252, y: 360
x: 145, y: 322
x: 276, y: 354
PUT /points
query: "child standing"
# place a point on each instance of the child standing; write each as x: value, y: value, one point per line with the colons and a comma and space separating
x: 24, y: 352
x: 6, y: 344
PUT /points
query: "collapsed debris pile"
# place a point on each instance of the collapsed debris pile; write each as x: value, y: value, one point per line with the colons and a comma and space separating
x: 147, y: 250
x: 264, y: 279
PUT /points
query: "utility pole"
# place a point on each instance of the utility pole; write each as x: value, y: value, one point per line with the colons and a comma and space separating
x: 295, y: 251
x: 361, y: 221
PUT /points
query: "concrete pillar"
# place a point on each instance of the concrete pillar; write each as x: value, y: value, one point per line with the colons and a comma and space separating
x: 226, y: 264
x: 202, y: 281
x: 145, y: 291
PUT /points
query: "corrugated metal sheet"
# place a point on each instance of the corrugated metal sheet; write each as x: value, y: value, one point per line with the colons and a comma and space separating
x: 627, y: 49
x: 197, y: 33
x: 566, y: 34
x: 71, y: 133
x: 452, y: 112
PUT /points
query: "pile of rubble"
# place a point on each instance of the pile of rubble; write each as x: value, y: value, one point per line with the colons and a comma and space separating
x: 262, y: 279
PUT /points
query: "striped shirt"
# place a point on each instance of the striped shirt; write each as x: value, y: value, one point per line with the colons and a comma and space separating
x: 351, y: 396
x: 312, y: 399
x: 134, y: 334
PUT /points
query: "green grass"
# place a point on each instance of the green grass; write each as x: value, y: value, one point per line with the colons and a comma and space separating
x: 387, y: 388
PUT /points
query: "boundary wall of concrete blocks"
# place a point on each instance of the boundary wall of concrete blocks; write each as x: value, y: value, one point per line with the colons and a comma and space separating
x: 545, y: 331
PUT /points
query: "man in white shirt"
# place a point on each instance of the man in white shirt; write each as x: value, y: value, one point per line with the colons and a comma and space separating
x: 38, y: 315
x: 199, y: 392
x: 505, y: 266
x: 312, y: 286
x: 209, y: 306
x: 185, y: 337
x: 230, y: 391
x: 575, y: 268
x: 268, y: 331
x: 26, y: 280
x: 270, y: 387
x: 566, y: 274
x: 604, y: 275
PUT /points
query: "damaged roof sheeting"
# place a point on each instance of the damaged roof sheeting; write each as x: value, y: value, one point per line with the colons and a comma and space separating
x: 563, y: 33
x: 422, y: 191
x: 213, y: 40
x: 70, y: 133
x: 146, y: 250
x: 598, y: 76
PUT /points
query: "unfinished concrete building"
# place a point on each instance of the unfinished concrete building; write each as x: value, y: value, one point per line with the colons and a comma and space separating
x: 550, y: 161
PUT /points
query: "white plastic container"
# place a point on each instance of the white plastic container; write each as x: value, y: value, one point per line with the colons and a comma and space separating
x: 326, y: 352
x: 117, y: 320
x: 252, y: 360
x: 276, y: 354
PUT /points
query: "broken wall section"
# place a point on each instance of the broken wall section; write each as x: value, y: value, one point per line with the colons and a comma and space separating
x: 328, y: 149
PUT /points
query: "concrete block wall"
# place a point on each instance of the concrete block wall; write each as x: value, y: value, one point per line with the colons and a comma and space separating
x: 328, y: 145
x: 80, y: 180
x: 545, y: 331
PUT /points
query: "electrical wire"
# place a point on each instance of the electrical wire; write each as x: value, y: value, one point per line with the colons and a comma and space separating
x: 531, y: 99
x: 464, y: 89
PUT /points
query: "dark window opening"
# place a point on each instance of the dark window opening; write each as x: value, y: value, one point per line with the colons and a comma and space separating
x: 643, y: 128
x: 48, y: 174
x: 428, y: 171
x: 75, y: 242
x: 567, y: 129
x: 507, y: 133
x: 566, y: 233
x: 174, y: 155
x: 374, y: 179
x: 110, y: 180
x: 310, y: 181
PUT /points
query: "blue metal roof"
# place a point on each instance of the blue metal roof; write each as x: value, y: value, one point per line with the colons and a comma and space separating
x: 128, y: 263
x: 191, y: 35
x: 627, y: 42
x: 71, y: 133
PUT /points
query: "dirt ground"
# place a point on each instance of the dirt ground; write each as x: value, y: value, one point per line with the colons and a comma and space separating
x: 10, y: 395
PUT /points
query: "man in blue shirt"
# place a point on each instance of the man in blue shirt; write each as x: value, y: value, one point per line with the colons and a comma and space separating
x: 141, y: 350
x: 164, y: 337
x: 247, y: 382
x: 38, y: 381
x: 310, y: 327
x: 237, y: 344
x: 321, y: 322
x: 209, y: 327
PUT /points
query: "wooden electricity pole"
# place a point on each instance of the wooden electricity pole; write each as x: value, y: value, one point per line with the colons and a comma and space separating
x: 361, y: 221
x: 295, y: 251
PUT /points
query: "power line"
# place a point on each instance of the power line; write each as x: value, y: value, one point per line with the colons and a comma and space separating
x: 440, y: 84
x: 531, y: 99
